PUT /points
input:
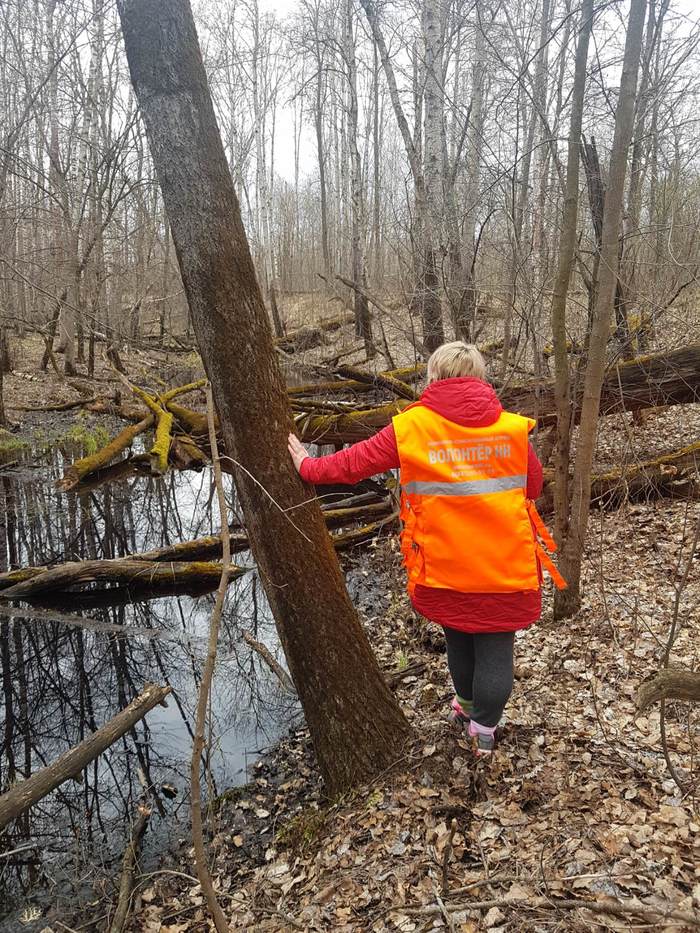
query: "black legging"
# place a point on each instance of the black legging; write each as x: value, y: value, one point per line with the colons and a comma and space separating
x: 481, y: 667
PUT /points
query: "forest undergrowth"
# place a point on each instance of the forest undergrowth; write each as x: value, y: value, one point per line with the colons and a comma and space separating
x: 576, y: 803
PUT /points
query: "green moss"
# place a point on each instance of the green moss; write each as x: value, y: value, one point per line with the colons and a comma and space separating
x: 11, y: 444
x: 230, y: 795
x: 300, y: 833
x: 89, y: 438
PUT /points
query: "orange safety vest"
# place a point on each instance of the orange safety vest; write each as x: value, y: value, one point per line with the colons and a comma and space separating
x: 467, y: 522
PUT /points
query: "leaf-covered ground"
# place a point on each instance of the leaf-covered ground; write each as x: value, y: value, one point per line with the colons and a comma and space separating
x: 577, y: 805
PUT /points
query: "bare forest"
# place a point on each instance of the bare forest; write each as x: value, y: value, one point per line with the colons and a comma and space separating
x: 225, y: 220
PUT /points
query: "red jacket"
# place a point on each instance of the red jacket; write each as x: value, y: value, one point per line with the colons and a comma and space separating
x: 471, y: 403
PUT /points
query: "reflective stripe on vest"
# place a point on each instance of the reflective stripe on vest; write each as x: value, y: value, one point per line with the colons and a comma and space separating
x: 467, y: 524
x: 474, y: 487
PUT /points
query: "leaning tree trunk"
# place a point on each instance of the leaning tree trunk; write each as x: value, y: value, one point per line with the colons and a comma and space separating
x: 568, y: 601
x: 356, y: 725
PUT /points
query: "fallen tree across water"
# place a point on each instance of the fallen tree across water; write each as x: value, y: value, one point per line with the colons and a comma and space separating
x: 26, y: 793
x: 127, y: 571
x: 188, y: 562
x: 662, y: 379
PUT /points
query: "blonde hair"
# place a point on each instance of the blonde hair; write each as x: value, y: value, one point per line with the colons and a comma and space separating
x: 456, y: 359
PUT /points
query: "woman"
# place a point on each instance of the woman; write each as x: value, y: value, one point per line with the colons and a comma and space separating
x: 469, y: 477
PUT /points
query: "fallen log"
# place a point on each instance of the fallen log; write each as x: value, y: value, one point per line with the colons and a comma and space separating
x: 669, y: 684
x: 347, y: 428
x: 348, y: 539
x: 311, y: 335
x: 178, y: 562
x: 26, y: 793
x: 380, y: 380
x: 353, y: 386
x: 103, y: 457
x: 675, y: 474
x: 671, y: 378
x: 127, y: 571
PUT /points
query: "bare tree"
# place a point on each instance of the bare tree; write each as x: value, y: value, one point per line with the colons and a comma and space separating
x: 568, y: 601
x: 356, y: 725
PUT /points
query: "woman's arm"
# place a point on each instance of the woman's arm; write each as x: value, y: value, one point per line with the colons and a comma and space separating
x: 364, y: 459
x: 535, y: 475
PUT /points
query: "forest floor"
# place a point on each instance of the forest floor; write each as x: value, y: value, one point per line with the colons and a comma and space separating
x: 577, y: 803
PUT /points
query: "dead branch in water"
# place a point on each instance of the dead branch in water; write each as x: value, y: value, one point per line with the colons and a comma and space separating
x: 129, y: 863
x: 280, y: 673
x: 28, y: 792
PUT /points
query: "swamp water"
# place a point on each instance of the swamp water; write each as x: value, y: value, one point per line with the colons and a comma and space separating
x: 61, y: 680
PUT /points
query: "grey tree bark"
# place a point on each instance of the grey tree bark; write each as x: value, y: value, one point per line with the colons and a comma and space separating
x: 567, y: 248
x: 568, y: 601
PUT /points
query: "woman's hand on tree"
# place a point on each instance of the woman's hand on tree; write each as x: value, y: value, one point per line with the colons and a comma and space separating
x: 297, y: 451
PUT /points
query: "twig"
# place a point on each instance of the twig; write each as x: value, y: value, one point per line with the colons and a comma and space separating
x: 269, y: 659
x: 446, y: 857
x: 611, y: 907
x: 200, y: 856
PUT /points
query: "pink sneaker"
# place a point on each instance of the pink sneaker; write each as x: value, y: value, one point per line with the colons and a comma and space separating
x: 484, y: 736
x: 458, y: 715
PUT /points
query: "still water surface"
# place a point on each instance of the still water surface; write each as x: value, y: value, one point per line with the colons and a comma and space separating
x: 62, y: 681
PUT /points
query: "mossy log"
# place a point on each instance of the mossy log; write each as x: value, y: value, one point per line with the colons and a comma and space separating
x: 103, y: 457
x: 347, y: 428
x: 676, y: 473
x: 671, y: 684
x: 25, y: 794
x: 127, y: 571
x: 671, y: 378
x: 158, y: 454
x: 194, y: 422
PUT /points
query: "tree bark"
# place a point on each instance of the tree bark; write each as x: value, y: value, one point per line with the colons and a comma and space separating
x: 669, y: 685
x: 356, y: 725
x: 567, y: 248
x: 568, y: 601
x: 26, y: 793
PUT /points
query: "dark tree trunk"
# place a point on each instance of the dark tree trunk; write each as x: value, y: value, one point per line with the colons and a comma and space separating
x: 356, y: 724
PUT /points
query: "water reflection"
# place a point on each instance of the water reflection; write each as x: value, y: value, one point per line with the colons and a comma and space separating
x: 61, y: 680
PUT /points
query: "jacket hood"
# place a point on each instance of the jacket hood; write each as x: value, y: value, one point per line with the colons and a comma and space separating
x: 466, y: 400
